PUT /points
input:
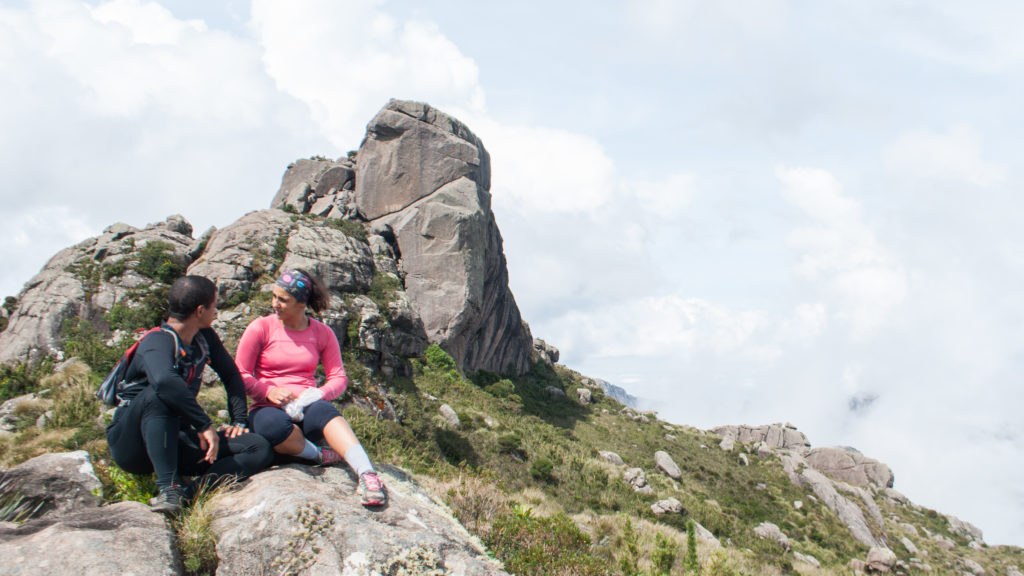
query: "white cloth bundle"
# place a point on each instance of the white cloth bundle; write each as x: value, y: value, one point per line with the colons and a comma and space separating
x: 294, y: 409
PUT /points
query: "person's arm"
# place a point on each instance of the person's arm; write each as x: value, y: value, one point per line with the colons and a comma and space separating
x: 157, y: 352
x: 250, y: 346
x: 330, y: 357
x: 224, y: 366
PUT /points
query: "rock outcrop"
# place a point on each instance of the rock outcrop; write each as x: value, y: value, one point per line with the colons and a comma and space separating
x: 425, y: 177
x: 774, y: 436
x: 409, y: 218
x: 88, y: 279
x: 256, y: 527
x: 850, y: 466
x: 68, y: 532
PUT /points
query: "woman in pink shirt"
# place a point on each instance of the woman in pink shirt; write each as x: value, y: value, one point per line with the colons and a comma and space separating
x: 278, y: 356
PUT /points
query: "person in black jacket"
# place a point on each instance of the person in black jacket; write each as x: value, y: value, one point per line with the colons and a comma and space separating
x: 160, y: 427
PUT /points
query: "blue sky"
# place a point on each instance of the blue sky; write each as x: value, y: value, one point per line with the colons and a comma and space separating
x: 745, y: 213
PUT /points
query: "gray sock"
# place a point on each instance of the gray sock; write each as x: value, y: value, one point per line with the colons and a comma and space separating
x: 358, y: 460
x: 310, y: 451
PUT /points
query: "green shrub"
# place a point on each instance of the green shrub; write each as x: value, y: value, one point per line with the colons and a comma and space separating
x: 82, y: 339
x: 383, y: 288
x: 534, y: 546
x: 501, y: 389
x: 158, y: 261
x: 22, y: 377
x: 691, y: 563
x: 351, y: 228
x: 440, y: 362
x: 543, y: 469
x: 664, y: 555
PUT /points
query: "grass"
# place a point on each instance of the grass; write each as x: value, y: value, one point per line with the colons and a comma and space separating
x: 192, y: 527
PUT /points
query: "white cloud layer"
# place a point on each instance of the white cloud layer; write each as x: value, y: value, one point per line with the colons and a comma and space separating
x: 745, y: 213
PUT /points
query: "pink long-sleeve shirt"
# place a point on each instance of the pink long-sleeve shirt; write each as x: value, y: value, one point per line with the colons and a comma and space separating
x: 271, y: 355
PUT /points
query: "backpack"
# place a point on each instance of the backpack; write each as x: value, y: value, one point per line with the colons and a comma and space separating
x: 116, y: 383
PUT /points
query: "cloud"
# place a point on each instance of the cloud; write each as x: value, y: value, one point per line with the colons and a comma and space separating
x: 954, y: 156
x: 345, y: 73
x: 840, y: 253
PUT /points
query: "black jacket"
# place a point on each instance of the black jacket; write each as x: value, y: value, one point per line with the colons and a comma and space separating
x: 177, y: 388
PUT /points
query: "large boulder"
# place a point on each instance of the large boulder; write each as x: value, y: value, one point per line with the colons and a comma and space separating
x: 66, y: 531
x: 54, y: 484
x: 852, y: 515
x: 425, y: 178
x: 850, y: 466
x: 123, y: 538
x: 86, y: 281
x: 773, y: 436
x: 256, y: 526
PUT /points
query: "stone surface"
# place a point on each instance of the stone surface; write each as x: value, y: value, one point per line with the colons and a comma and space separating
x: 546, y: 352
x: 58, y: 483
x: 584, y: 396
x: 769, y: 531
x: 79, y: 282
x: 255, y: 524
x: 612, y: 457
x: 667, y: 506
x: 425, y: 176
x: 635, y: 477
x: 807, y: 559
x: 665, y: 463
x: 123, y: 538
x: 965, y: 529
x: 449, y: 415
x: 825, y: 490
x: 774, y: 436
x: 850, y: 466
x: 880, y: 559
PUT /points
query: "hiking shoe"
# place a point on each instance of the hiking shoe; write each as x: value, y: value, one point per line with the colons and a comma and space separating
x: 371, y: 489
x: 168, y: 501
x: 328, y: 456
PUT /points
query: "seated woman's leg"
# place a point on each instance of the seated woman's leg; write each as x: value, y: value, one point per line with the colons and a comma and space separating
x: 324, y: 417
x: 284, y: 436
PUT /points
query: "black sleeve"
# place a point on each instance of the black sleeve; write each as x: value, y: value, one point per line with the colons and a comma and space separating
x: 224, y: 365
x: 156, y: 351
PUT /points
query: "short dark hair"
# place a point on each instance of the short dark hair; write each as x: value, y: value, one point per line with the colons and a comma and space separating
x: 319, y: 299
x: 189, y: 293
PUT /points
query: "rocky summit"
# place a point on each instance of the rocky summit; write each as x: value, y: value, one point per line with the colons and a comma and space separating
x: 412, y: 210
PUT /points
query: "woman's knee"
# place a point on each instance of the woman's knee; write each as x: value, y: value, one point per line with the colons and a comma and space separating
x: 272, y: 424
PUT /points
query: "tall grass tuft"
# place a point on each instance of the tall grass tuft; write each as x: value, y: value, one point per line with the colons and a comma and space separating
x: 196, y: 541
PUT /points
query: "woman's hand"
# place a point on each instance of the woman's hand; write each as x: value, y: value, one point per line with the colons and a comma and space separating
x: 209, y: 441
x: 279, y: 396
x: 233, y: 430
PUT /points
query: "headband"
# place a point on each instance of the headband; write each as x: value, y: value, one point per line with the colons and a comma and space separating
x: 297, y: 284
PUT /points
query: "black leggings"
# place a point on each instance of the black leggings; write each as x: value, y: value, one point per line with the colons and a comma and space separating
x: 146, y: 436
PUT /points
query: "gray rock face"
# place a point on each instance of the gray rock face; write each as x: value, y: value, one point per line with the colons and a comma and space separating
x: 769, y: 531
x: 774, y: 436
x: 635, y: 477
x: 880, y: 559
x: 584, y: 396
x: 71, y: 534
x: 256, y: 525
x: 612, y: 457
x: 546, y: 352
x: 85, y: 280
x: 8, y: 417
x: 425, y: 176
x: 667, y: 506
x: 450, y: 416
x: 825, y: 489
x: 123, y: 538
x: 965, y: 529
x: 666, y: 464
x: 852, y: 467
x: 55, y: 484
x: 317, y: 186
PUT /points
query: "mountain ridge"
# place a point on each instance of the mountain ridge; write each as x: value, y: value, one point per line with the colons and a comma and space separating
x: 421, y: 304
